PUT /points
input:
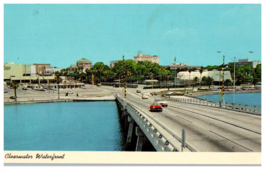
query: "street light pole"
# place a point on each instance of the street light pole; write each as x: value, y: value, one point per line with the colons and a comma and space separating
x: 234, y: 83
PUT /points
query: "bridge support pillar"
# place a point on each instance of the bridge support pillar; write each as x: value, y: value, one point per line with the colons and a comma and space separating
x: 126, y: 118
x: 140, y: 139
x: 130, y: 131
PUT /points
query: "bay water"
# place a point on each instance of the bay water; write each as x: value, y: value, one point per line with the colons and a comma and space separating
x: 70, y: 126
x: 250, y: 99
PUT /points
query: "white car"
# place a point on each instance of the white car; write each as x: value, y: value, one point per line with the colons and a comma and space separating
x: 144, y: 96
x: 163, y: 103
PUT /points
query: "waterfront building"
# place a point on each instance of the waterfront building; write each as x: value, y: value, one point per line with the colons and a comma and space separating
x: 245, y: 62
x: 143, y: 57
x: 185, y: 78
x: 12, y: 70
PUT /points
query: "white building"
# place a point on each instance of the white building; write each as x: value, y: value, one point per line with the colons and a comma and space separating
x: 184, y: 77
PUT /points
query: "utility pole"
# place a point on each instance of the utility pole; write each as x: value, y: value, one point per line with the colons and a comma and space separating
x: 222, y: 82
x: 234, y: 83
x: 124, y: 76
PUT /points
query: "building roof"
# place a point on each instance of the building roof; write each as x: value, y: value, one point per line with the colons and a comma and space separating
x: 83, y: 60
x: 143, y: 55
x: 40, y: 64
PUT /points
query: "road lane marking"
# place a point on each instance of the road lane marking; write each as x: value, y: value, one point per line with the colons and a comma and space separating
x: 184, y: 119
x: 231, y: 141
x: 220, y: 121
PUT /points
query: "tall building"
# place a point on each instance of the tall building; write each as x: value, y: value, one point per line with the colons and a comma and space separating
x: 143, y: 57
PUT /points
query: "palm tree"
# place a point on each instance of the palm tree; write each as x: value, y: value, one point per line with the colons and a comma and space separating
x: 58, y: 80
x: 14, y: 85
x: 201, y: 71
x: 189, y: 70
x: 195, y: 80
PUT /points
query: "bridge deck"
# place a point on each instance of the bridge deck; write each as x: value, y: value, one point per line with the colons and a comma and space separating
x: 207, y: 129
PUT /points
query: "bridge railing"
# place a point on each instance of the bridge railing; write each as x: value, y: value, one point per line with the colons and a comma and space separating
x: 241, y: 108
x: 149, y: 128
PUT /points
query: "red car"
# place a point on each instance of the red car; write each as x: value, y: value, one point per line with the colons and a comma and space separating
x: 156, y: 107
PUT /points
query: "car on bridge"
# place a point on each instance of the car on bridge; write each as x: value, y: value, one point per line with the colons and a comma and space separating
x: 155, y: 107
x: 163, y: 103
x: 144, y: 96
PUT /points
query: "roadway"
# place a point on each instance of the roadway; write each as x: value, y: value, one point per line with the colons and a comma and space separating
x: 207, y: 129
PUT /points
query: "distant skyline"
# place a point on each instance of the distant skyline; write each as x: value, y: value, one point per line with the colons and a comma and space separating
x: 63, y: 34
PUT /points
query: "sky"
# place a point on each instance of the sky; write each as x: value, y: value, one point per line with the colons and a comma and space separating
x: 61, y: 34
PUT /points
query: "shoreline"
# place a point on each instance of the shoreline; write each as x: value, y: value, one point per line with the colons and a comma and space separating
x: 91, y: 99
x: 225, y: 92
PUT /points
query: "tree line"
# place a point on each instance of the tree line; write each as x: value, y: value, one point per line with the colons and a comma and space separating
x: 138, y: 72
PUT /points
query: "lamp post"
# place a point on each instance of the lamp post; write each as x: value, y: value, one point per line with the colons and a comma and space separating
x: 234, y: 72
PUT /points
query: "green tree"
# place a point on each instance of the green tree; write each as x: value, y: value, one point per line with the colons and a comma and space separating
x: 195, y: 80
x: 14, y: 85
x: 227, y: 82
x: 209, y: 81
x: 257, y: 74
x: 201, y: 71
x: 204, y: 79
x: 58, y: 80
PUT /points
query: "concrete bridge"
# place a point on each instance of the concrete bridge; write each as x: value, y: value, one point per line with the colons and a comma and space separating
x: 208, y: 127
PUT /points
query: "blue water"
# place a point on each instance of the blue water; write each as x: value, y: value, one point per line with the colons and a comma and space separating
x: 71, y: 126
x: 250, y: 99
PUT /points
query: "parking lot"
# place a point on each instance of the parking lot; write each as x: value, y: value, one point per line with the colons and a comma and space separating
x: 31, y: 94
